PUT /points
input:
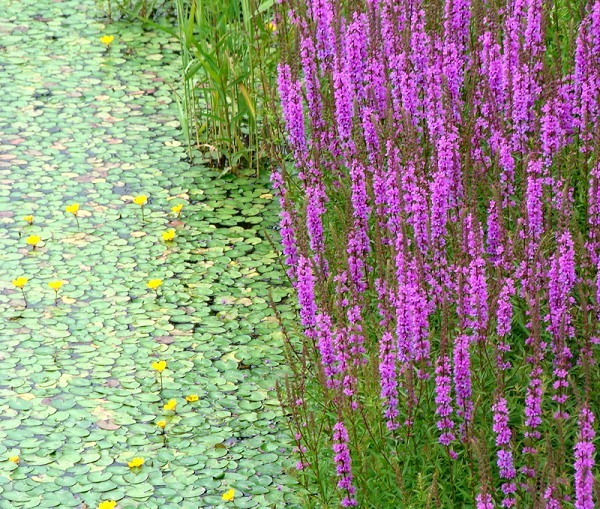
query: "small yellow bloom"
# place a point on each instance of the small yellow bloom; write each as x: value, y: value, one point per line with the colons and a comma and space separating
x: 20, y: 282
x: 136, y: 462
x: 107, y: 39
x: 229, y: 495
x: 168, y: 235
x: 161, y: 424
x: 33, y: 240
x: 14, y: 459
x: 107, y: 504
x: 177, y: 209
x: 153, y: 284
x: 192, y: 398
x: 72, y: 209
x: 159, y: 366
x: 55, y: 285
x: 140, y: 200
x: 271, y: 27
x: 171, y: 405
x: 28, y: 219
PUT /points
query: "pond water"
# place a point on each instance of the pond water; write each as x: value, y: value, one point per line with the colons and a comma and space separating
x: 82, y: 123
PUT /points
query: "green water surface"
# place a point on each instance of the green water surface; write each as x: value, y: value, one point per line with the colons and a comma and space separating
x: 83, y: 124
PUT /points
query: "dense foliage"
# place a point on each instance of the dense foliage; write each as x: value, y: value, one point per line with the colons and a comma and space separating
x: 441, y: 226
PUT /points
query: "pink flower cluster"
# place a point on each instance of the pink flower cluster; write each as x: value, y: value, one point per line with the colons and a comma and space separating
x: 446, y: 236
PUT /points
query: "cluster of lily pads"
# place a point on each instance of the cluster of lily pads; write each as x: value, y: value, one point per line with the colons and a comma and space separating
x: 34, y: 240
x: 136, y: 463
x: 84, y: 123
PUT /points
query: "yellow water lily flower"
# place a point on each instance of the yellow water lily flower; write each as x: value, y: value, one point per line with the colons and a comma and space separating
x: 136, y: 462
x: 177, y: 209
x: 28, y: 219
x: 159, y: 366
x: 20, y: 282
x: 107, y: 504
x: 14, y: 459
x: 33, y: 240
x: 107, y: 39
x: 171, y: 405
x: 153, y: 284
x: 140, y: 200
x: 72, y: 209
x: 55, y: 285
x: 229, y: 495
x: 192, y: 398
x: 161, y: 424
x: 168, y: 235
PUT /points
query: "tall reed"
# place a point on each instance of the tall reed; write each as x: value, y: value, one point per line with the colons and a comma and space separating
x: 228, y: 69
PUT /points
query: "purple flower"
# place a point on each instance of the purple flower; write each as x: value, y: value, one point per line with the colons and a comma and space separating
x: 343, y: 464
x: 584, y: 461
x: 358, y: 238
x: 305, y: 287
x: 462, y: 378
x: 484, y: 501
x: 533, y: 403
x: 552, y: 498
x: 325, y: 342
x: 475, y: 312
x: 534, y: 200
x: 287, y: 228
x: 562, y: 280
x: 323, y: 14
x: 495, y: 247
x: 387, y: 377
x: 586, y: 78
x: 456, y: 38
x: 593, y: 244
x: 443, y: 400
x: 290, y: 93
x: 505, y: 457
x: 504, y: 316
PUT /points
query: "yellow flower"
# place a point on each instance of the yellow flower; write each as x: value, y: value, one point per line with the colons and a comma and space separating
x: 140, y: 200
x: 107, y: 504
x: 20, y: 282
x: 136, y: 462
x: 177, y: 209
x: 28, y: 219
x: 168, y: 235
x: 153, y: 284
x: 171, y: 405
x: 55, y: 285
x: 271, y: 27
x: 107, y: 39
x: 159, y: 366
x: 72, y: 209
x: 229, y: 495
x: 33, y: 240
x: 161, y: 424
x: 14, y: 459
x: 192, y: 398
